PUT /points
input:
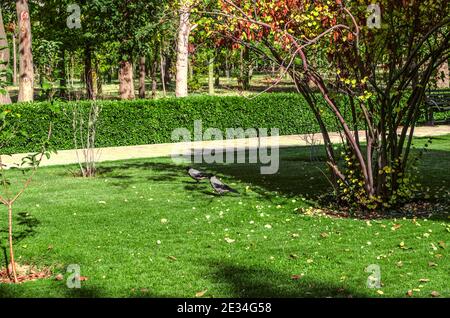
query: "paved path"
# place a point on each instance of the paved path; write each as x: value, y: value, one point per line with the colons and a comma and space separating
x: 64, y: 157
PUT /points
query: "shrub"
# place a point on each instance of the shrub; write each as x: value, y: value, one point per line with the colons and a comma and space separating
x: 125, y: 123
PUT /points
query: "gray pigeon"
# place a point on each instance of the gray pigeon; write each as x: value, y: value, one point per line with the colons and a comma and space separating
x: 219, y: 186
x: 197, y: 175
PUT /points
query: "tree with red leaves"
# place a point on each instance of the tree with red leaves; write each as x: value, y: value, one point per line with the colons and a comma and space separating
x: 370, y: 79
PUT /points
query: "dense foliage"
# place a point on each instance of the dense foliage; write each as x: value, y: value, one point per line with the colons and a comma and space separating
x: 383, y: 71
x: 124, y: 123
x: 137, y: 122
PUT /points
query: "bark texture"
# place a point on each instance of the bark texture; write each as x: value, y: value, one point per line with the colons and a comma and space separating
x: 26, y: 71
x: 142, y: 73
x: 181, y: 89
x: 126, y: 84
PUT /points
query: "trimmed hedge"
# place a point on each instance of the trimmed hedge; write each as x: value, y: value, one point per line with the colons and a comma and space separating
x: 125, y: 123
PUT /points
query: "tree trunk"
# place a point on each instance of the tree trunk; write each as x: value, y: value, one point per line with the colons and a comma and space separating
x: 62, y: 75
x: 126, y: 80
x: 11, y: 248
x: 109, y: 77
x: 72, y: 70
x: 442, y: 78
x: 95, y: 81
x: 217, y: 78
x: 167, y: 67
x: 14, y: 58
x: 163, y: 75
x: 98, y: 79
x: 154, y: 69
x: 211, y: 76
x: 26, y: 72
x: 181, y: 89
x: 244, y: 71
x: 88, y: 72
x: 227, y: 70
x: 191, y: 69
x: 142, y: 73
x: 4, y: 60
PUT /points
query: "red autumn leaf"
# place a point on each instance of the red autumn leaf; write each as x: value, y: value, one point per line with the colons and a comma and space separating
x: 350, y: 36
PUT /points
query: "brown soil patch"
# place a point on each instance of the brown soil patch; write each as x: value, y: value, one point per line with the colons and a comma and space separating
x: 25, y: 273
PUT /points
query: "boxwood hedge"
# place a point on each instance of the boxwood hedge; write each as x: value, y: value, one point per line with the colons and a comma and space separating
x: 124, y: 123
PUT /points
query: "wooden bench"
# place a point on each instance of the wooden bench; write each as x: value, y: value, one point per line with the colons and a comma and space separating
x: 436, y: 101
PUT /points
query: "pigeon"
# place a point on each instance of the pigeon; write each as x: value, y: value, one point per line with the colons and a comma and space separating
x: 197, y: 175
x: 219, y: 186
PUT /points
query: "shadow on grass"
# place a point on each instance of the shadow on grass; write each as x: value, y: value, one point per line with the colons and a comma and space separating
x: 258, y: 282
x: 60, y: 291
x: 299, y: 174
x: 25, y: 226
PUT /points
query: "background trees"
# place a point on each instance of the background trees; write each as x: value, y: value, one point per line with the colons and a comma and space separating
x: 127, y: 44
x: 128, y: 23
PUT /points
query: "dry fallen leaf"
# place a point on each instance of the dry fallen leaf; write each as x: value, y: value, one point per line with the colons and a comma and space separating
x: 380, y: 292
x: 59, y: 277
x: 409, y: 293
x: 83, y: 278
x: 424, y: 280
x: 435, y: 294
x: 296, y: 277
x: 228, y: 240
x: 201, y: 293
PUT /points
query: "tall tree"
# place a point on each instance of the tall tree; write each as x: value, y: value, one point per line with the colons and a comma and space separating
x: 373, y: 70
x: 26, y: 71
x: 128, y: 23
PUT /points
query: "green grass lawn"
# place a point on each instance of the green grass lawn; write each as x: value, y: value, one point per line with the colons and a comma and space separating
x: 143, y: 229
